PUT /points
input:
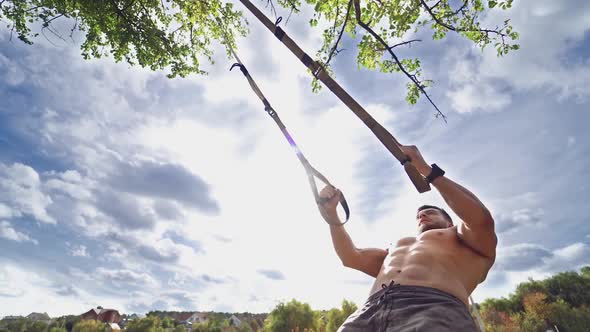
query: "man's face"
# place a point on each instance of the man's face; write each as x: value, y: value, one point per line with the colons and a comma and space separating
x: 430, y: 218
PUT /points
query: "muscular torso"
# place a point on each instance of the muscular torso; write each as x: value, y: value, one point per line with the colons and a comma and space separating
x: 436, y: 258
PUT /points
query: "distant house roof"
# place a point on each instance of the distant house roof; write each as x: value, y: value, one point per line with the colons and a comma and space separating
x: 198, y: 317
x: 235, y: 320
x: 184, y: 316
x: 35, y: 316
x: 192, y: 317
x: 103, y: 315
x: 202, y: 315
x: 135, y: 316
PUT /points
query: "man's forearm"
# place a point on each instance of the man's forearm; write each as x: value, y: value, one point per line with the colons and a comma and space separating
x: 462, y: 201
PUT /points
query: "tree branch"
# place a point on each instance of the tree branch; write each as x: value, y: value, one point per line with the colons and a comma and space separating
x: 74, y: 29
x: 291, y: 11
x: 453, y: 28
x: 465, y: 2
x: 333, y: 51
x: 412, y: 77
x: 46, y: 23
x: 48, y: 28
x: 399, y: 44
x: 272, y: 7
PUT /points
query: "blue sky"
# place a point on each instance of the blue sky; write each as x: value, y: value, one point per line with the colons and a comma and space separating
x: 122, y: 188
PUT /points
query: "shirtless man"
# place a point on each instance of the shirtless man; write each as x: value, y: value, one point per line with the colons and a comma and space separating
x: 423, y: 283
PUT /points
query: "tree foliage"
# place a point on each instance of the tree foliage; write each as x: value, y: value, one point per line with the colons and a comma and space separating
x: 383, y: 25
x: 290, y: 316
x: 335, y: 317
x: 177, y: 34
x: 91, y: 326
x: 16, y: 325
x: 37, y: 326
x: 23, y: 324
x: 179, y: 328
x: 146, y: 324
x: 57, y: 329
x: 151, y: 33
x: 562, y: 300
x: 211, y: 325
x: 167, y: 322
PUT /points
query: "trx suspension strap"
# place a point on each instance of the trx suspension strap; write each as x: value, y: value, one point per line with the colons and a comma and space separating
x: 318, y: 71
x: 312, y: 173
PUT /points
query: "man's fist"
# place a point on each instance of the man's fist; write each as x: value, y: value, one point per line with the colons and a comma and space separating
x: 328, y: 207
x: 416, y: 159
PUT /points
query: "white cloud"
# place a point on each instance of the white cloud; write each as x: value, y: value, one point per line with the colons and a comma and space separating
x: 535, y: 257
x: 22, y: 190
x: 123, y: 277
x: 517, y: 263
x: 7, y: 212
x: 571, y: 141
x: 23, y: 290
x: 477, y: 96
x: 13, y: 280
x: 571, y: 257
x: 13, y: 75
x: 70, y: 183
x: 518, y: 219
x: 7, y: 232
x: 79, y: 251
x: 523, y: 256
x: 548, y: 31
x: 546, y: 38
x: 469, y: 91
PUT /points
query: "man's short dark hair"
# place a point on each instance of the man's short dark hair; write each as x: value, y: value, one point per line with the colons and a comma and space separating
x: 444, y: 213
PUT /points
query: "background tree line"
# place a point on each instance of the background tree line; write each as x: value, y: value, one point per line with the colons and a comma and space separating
x: 558, y: 303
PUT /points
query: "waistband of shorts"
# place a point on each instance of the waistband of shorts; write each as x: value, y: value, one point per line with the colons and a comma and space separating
x: 401, y: 289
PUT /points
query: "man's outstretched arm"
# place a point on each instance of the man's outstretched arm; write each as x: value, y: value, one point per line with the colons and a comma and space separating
x: 477, y: 227
x: 367, y: 260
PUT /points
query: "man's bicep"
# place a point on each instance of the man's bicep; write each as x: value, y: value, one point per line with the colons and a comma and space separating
x: 479, y: 237
x: 369, y: 260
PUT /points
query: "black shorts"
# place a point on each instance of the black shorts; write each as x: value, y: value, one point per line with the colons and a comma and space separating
x: 399, y: 308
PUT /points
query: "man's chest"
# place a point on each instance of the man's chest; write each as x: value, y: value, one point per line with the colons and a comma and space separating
x: 435, y: 253
x: 432, y: 243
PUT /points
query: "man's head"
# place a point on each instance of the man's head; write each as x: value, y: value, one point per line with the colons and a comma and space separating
x: 432, y: 217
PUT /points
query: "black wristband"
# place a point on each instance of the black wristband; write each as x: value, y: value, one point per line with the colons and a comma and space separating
x: 436, y: 172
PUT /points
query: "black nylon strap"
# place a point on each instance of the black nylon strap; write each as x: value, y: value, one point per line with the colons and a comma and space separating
x: 279, y: 33
x: 320, y: 200
x: 312, y: 173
